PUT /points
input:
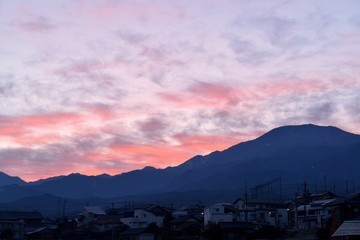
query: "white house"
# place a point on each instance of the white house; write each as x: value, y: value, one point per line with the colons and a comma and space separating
x: 220, y: 212
x: 142, y: 218
x: 89, y: 215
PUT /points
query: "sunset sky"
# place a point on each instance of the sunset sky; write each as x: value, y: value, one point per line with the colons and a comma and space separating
x: 113, y: 86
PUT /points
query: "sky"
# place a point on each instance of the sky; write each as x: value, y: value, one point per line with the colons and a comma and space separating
x: 107, y: 86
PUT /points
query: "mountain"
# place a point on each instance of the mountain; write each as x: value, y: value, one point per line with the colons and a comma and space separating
x: 277, y: 140
x: 294, y: 153
x: 7, y: 180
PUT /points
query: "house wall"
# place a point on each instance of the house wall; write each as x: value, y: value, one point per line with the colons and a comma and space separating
x: 263, y: 213
x: 16, y: 228
x: 216, y: 214
x: 142, y: 219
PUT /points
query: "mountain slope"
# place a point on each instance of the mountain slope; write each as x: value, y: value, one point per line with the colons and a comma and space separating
x: 294, y: 153
x: 276, y: 140
x: 7, y: 180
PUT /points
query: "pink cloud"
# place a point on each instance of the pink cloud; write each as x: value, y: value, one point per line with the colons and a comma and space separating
x: 39, y: 129
x: 204, y: 94
x: 209, y: 143
x: 50, y: 128
x: 286, y: 87
x: 224, y: 97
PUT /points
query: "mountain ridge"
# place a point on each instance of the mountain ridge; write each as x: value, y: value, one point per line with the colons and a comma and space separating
x: 294, y: 152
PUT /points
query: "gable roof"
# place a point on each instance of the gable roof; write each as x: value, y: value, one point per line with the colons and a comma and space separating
x: 348, y: 228
x: 95, y: 210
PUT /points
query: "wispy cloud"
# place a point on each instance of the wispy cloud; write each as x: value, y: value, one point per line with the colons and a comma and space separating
x: 37, y: 24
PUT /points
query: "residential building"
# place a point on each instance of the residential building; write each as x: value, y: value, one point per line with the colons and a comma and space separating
x: 143, y: 218
x: 191, y: 210
x: 263, y: 212
x: 89, y: 215
x: 343, y: 209
x: 18, y: 223
x: 12, y: 229
x: 186, y: 227
x: 220, y: 212
x: 315, y: 214
x: 347, y: 230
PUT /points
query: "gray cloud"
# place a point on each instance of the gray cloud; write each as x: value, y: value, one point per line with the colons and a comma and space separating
x: 6, y: 85
x: 247, y: 53
x: 277, y: 30
x: 38, y: 24
x: 321, y: 112
x: 136, y: 39
x: 154, y: 128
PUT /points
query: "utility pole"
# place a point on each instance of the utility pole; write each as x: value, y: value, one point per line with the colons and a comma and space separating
x: 64, y: 203
x: 306, y: 199
x: 324, y: 183
x: 59, y: 207
x: 281, y: 196
x: 353, y: 181
x: 246, y: 200
x: 296, y: 220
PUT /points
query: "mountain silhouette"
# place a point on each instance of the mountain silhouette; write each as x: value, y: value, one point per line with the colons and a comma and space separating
x: 294, y: 153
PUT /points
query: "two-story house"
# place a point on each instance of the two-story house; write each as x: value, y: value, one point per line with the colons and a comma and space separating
x: 220, y: 212
x: 143, y: 218
x: 263, y: 212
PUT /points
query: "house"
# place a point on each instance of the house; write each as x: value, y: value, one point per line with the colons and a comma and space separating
x: 347, y: 230
x: 220, y: 212
x: 343, y: 209
x: 43, y: 233
x: 89, y: 215
x: 105, y: 223
x: 306, y: 198
x: 142, y: 218
x: 186, y: 227
x: 314, y: 215
x: 12, y: 229
x: 18, y: 223
x: 31, y: 219
x: 263, y: 212
x: 196, y: 210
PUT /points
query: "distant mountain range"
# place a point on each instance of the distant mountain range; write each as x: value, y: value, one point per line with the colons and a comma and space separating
x: 294, y: 153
